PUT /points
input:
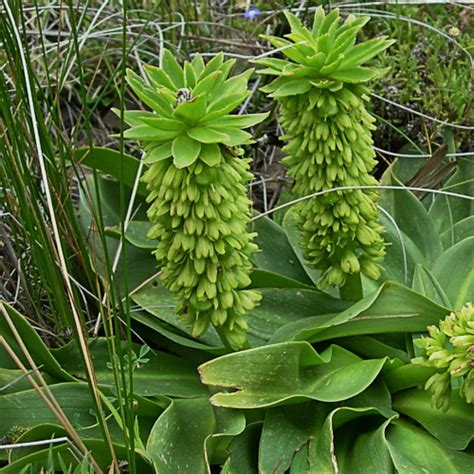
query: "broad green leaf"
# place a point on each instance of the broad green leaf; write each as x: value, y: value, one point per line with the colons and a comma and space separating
x: 162, y: 374
x: 414, y: 221
x: 136, y: 234
x: 36, y: 347
x: 13, y: 380
x: 161, y: 152
x: 229, y: 424
x: 367, y: 454
x: 159, y: 78
x: 243, y: 457
x: 459, y: 231
x: 172, y: 68
x: 177, y: 439
x: 26, y: 409
x: 293, y: 371
x: 402, y: 255
x: 322, y: 446
x: 455, y: 272
x: 160, y: 302
x: 191, y: 111
x: 300, y: 464
x: 121, y: 166
x: 297, y: 27
x: 454, y: 428
x: 426, y: 284
x: 266, y: 279
x: 185, y: 151
x: 40, y: 460
x: 291, y: 229
x: 445, y: 211
x: 276, y: 253
x: 406, y: 376
x: 393, y: 308
x: 207, y: 135
x: 413, y: 450
x: 285, y: 430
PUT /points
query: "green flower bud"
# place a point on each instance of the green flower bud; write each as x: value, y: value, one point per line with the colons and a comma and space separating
x: 450, y: 348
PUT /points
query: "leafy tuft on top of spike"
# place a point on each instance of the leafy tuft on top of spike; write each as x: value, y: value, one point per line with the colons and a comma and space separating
x: 324, y: 58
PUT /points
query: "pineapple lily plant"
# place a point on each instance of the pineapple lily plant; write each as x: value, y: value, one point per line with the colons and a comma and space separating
x: 321, y: 88
x: 196, y: 181
x: 252, y: 362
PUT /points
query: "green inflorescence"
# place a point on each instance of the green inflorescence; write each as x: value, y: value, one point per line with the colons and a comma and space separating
x: 450, y: 348
x: 197, y: 183
x: 320, y: 87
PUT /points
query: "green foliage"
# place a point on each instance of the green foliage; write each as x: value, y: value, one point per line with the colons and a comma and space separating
x: 196, y: 182
x: 321, y: 90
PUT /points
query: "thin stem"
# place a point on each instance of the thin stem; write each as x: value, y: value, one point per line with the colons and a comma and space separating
x: 352, y: 289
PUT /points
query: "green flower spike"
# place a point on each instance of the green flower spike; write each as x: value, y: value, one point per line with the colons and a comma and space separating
x: 197, y: 183
x: 320, y: 87
x: 450, y: 348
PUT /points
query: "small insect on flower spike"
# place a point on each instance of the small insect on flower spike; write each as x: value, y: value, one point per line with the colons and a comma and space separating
x: 197, y: 188
x: 320, y: 87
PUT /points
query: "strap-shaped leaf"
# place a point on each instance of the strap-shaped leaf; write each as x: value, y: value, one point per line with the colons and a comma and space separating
x: 207, y: 135
x: 169, y: 125
x: 189, y: 75
x: 236, y: 136
x: 357, y: 75
x: 232, y: 86
x: 150, y: 97
x: 159, y: 78
x: 225, y: 105
x: 208, y: 83
x: 146, y: 132
x: 365, y: 51
x: 198, y: 65
x: 239, y: 121
x: 172, y: 68
x: 185, y: 151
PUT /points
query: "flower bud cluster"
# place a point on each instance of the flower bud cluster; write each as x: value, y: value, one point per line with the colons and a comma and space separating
x: 197, y: 190
x: 328, y: 129
x: 450, y: 348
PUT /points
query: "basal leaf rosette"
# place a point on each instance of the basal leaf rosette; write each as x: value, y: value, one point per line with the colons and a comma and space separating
x: 197, y: 183
x: 450, y: 349
x: 322, y: 93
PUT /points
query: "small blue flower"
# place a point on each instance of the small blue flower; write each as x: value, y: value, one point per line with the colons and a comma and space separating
x: 251, y: 13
